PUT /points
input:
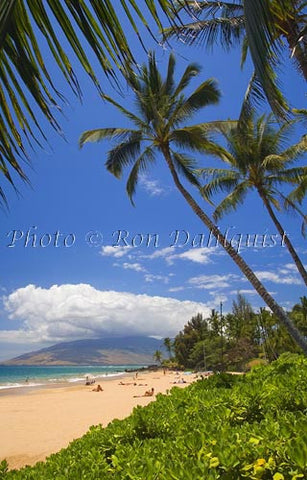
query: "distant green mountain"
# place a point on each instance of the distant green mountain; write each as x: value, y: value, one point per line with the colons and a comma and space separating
x: 136, y: 350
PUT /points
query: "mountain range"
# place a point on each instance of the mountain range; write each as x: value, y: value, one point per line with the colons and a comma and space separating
x: 133, y: 350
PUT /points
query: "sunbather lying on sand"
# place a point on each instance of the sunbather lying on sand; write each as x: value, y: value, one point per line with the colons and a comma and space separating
x: 127, y: 383
x: 148, y: 393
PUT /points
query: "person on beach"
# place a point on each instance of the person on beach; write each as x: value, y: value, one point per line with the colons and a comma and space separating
x: 148, y: 393
x: 97, y: 389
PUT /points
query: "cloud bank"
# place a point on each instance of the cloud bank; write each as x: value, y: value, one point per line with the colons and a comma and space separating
x: 70, y: 312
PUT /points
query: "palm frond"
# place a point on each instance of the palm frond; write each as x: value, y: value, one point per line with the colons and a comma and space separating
x: 277, y: 138
x: 168, y: 85
x: 226, y: 31
x: 217, y: 173
x: 131, y: 116
x: 124, y: 154
x: 253, y: 97
x: 199, y: 137
x: 301, y: 114
x: 223, y: 127
x: 274, y: 163
x: 99, y: 134
x: 140, y: 165
x: 211, y: 22
x: 186, y: 167
x: 294, y: 151
x: 211, y: 8
x: 264, y: 48
x: 192, y: 138
x: 298, y: 194
x: 26, y: 80
x: 151, y: 75
x: 6, y: 12
x: 191, y: 71
x: 294, y: 177
x: 244, y: 51
x: 231, y: 201
x: 222, y: 180
x: 206, y: 94
x: 290, y: 203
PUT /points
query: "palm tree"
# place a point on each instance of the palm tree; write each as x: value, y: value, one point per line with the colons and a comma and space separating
x: 167, y: 342
x: 257, y: 161
x: 27, y: 90
x: 158, y: 356
x: 26, y: 83
x: 162, y: 109
x: 265, y: 27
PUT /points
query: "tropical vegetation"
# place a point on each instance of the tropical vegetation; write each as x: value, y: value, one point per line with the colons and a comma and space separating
x: 226, y: 427
x: 237, y: 340
x: 256, y: 159
x: 265, y: 28
x: 163, y: 111
x: 94, y: 30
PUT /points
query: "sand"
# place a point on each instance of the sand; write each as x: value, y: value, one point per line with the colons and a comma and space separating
x: 36, y: 423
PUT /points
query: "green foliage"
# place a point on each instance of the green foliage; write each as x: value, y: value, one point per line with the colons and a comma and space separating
x: 226, y: 427
x: 257, y: 159
x: 232, y: 341
x: 3, y: 468
x: 263, y: 28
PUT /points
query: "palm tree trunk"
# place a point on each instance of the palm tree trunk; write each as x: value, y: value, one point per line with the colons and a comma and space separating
x: 245, y: 269
x: 281, y: 231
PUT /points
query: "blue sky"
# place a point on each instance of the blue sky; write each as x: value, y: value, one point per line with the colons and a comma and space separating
x: 65, y: 276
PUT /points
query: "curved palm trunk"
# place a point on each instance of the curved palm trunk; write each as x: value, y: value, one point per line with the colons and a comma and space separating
x: 281, y: 231
x: 245, y: 269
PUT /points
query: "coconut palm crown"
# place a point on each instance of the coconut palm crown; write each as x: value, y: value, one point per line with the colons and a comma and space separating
x: 257, y: 159
x: 162, y: 108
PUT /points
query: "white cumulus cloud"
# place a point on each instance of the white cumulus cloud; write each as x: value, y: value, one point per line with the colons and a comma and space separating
x: 149, y: 278
x: 151, y: 186
x: 117, y: 252
x: 282, y: 277
x: 137, y: 267
x: 197, y: 255
x: 68, y: 312
x: 211, y: 282
x: 246, y: 291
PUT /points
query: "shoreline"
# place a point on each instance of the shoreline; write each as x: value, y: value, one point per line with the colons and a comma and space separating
x: 37, y: 376
x: 24, y: 388
x: 36, y: 422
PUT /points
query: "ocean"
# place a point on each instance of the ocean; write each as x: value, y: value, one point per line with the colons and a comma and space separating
x: 34, y: 376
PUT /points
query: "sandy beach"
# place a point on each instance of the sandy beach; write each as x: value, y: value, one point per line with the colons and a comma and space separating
x: 36, y: 423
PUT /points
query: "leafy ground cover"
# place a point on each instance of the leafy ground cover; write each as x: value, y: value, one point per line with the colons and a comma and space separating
x: 226, y: 427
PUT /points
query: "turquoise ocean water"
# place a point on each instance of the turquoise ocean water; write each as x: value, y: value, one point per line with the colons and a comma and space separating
x: 35, y: 376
